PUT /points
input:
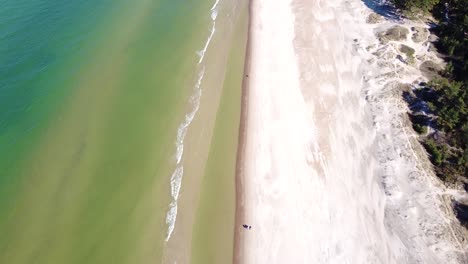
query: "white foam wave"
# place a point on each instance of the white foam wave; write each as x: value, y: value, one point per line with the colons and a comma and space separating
x: 176, y: 181
x: 182, y: 130
x: 177, y: 175
x: 171, y: 218
x: 214, y: 14
x: 215, y: 5
x: 176, y: 178
x: 202, y: 52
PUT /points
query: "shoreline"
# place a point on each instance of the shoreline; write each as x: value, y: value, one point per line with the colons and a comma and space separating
x: 214, y: 229
x: 200, y: 134
x: 239, y: 189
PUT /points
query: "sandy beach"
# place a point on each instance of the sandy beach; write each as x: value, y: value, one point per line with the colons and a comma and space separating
x: 314, y: 156
x: 191, y: 217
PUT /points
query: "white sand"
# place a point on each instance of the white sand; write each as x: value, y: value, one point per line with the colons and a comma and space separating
x: 315, y: 158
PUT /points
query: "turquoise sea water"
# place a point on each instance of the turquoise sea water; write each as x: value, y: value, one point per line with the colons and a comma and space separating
x: 40, y: 42
x: 91, y: 93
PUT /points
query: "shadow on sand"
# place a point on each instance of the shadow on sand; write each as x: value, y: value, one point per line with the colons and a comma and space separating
x: 383, y: 8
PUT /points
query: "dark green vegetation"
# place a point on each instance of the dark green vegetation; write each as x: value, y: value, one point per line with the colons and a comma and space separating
x: 416, y: 5
x: 421, y: 129
x: 447, y: 95
x: 447, y: 100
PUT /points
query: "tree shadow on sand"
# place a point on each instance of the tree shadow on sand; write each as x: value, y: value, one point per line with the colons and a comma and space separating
x: 420, y: 113
x: 383, y: 8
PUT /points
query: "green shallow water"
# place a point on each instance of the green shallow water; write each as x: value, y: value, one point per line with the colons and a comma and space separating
x: 91, y: 93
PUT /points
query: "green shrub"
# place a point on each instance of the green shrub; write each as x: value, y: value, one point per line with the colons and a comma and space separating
x: 421, y: 129
x: 409, y: 51
x: 436, y: 154
x: 465, y: 159
x: 450, y: 104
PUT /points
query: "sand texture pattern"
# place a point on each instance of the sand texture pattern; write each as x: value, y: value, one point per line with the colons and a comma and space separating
x: 310, y: 175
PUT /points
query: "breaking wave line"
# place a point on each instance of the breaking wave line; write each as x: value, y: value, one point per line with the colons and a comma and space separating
x: 177, y: 175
